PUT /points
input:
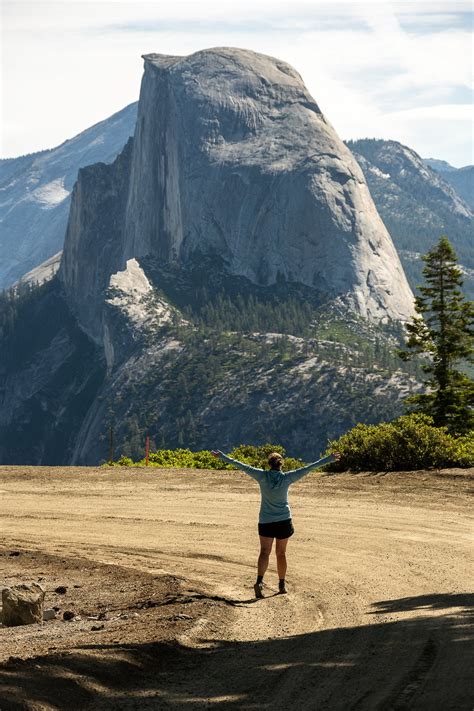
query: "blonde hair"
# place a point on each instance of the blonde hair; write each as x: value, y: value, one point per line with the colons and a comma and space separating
x: 274, y: 458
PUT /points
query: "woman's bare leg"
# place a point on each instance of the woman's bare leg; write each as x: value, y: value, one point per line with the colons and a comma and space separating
x: 265, y: 550
x: 280, y: 550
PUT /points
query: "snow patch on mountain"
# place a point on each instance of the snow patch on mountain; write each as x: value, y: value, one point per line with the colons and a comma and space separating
x: 50, y: 194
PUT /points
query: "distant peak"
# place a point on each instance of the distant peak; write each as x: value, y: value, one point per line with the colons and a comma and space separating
x: 227, y: 58
x: 162, y: 60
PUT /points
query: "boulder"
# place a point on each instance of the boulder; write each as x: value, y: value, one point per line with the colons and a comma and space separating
x: 49, y: 615
x: 22, y: 604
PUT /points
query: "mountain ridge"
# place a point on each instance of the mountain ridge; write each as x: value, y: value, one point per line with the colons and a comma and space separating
x: 461, y: 179
x: 35, y: 193
x: 417, y: 205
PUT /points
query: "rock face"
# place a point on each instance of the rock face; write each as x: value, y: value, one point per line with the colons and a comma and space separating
x: 43, y: 272
x: 93, y: 239
x: 35, y: 193
x: 232, y: 157
x: 22, y: 604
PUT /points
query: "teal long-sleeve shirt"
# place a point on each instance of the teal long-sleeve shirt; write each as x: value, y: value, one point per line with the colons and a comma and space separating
x: 274, y: 486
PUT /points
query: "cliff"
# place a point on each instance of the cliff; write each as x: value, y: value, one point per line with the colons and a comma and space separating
x: 35, y: 193
x: 232, y: 158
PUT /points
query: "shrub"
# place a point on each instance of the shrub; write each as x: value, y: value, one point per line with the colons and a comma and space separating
x: 183, y: 458
x: 409, y: 442
x: 170, y: 458
x: 465, y: 450
x: 186, y: 459
x: 122, y: 462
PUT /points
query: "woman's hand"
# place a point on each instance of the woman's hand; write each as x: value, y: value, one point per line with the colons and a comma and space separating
x: 336, y: 454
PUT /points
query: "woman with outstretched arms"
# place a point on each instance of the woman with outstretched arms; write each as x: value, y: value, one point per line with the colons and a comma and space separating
x: 275, y: 514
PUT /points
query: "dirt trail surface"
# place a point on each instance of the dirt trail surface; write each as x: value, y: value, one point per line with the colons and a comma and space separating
x: 159, y: 568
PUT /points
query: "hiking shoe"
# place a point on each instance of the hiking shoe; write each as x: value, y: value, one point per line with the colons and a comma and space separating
x: 258, y: 587
x: 282, y: 589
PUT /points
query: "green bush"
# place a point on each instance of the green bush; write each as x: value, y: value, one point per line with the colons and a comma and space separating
x: 186, y: 459
x: 170, y: 458
x: 122, y: 462
x: 465, y: 450
x: 409, y: 442
x: 182, y: 458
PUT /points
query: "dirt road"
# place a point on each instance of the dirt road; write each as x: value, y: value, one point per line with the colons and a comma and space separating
x: 377, y: 615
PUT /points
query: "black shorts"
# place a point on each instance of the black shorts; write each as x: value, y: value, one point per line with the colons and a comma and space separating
x: 277, y: 529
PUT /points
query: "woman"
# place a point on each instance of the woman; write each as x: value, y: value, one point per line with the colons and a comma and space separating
x: 275, y: 514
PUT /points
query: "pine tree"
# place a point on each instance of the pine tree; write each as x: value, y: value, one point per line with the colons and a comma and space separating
x: 444, y: 330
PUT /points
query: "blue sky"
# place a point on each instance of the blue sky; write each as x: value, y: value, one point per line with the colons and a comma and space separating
x: 399, y: 70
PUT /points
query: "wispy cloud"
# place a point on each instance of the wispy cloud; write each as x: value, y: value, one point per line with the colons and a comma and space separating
x: 433, y: 22
x: 442, y: 112
x: 288, y: 24
x: 371, y: 66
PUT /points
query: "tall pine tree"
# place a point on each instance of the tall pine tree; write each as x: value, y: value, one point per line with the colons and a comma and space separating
x: 444, y: 330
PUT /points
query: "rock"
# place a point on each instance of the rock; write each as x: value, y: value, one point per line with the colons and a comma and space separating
x: 22, y: 604
x: 68, y: 615
x: 231, y: 158
x: 49, y: 615
x: 61, y: 590
x: 36, y: 196
x: 15, y: 553
x: 43, y: 272
x: 95, y: 628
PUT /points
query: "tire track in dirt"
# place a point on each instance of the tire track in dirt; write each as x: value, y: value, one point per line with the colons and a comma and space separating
x: 379, y: 575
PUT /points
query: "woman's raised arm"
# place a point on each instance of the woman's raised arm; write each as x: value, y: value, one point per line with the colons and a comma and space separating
x: 251, y: 471
x: 299, y: 473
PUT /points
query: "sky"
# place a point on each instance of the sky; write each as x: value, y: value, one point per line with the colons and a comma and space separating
x: 393, y: 70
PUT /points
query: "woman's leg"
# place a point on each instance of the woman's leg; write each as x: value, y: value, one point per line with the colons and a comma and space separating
x: 266, y: 544
x: 265, y: 550
x: 280, y: 550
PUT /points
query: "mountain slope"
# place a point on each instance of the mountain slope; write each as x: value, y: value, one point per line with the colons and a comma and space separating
x: 179, y: 373
x: 462, y: 179
x: 35, y: 193
x: 417, y: 205
x: 463, y: 182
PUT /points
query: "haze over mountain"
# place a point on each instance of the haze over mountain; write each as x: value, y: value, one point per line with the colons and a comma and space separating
x: 35, y: 193
x: 235, y: 212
